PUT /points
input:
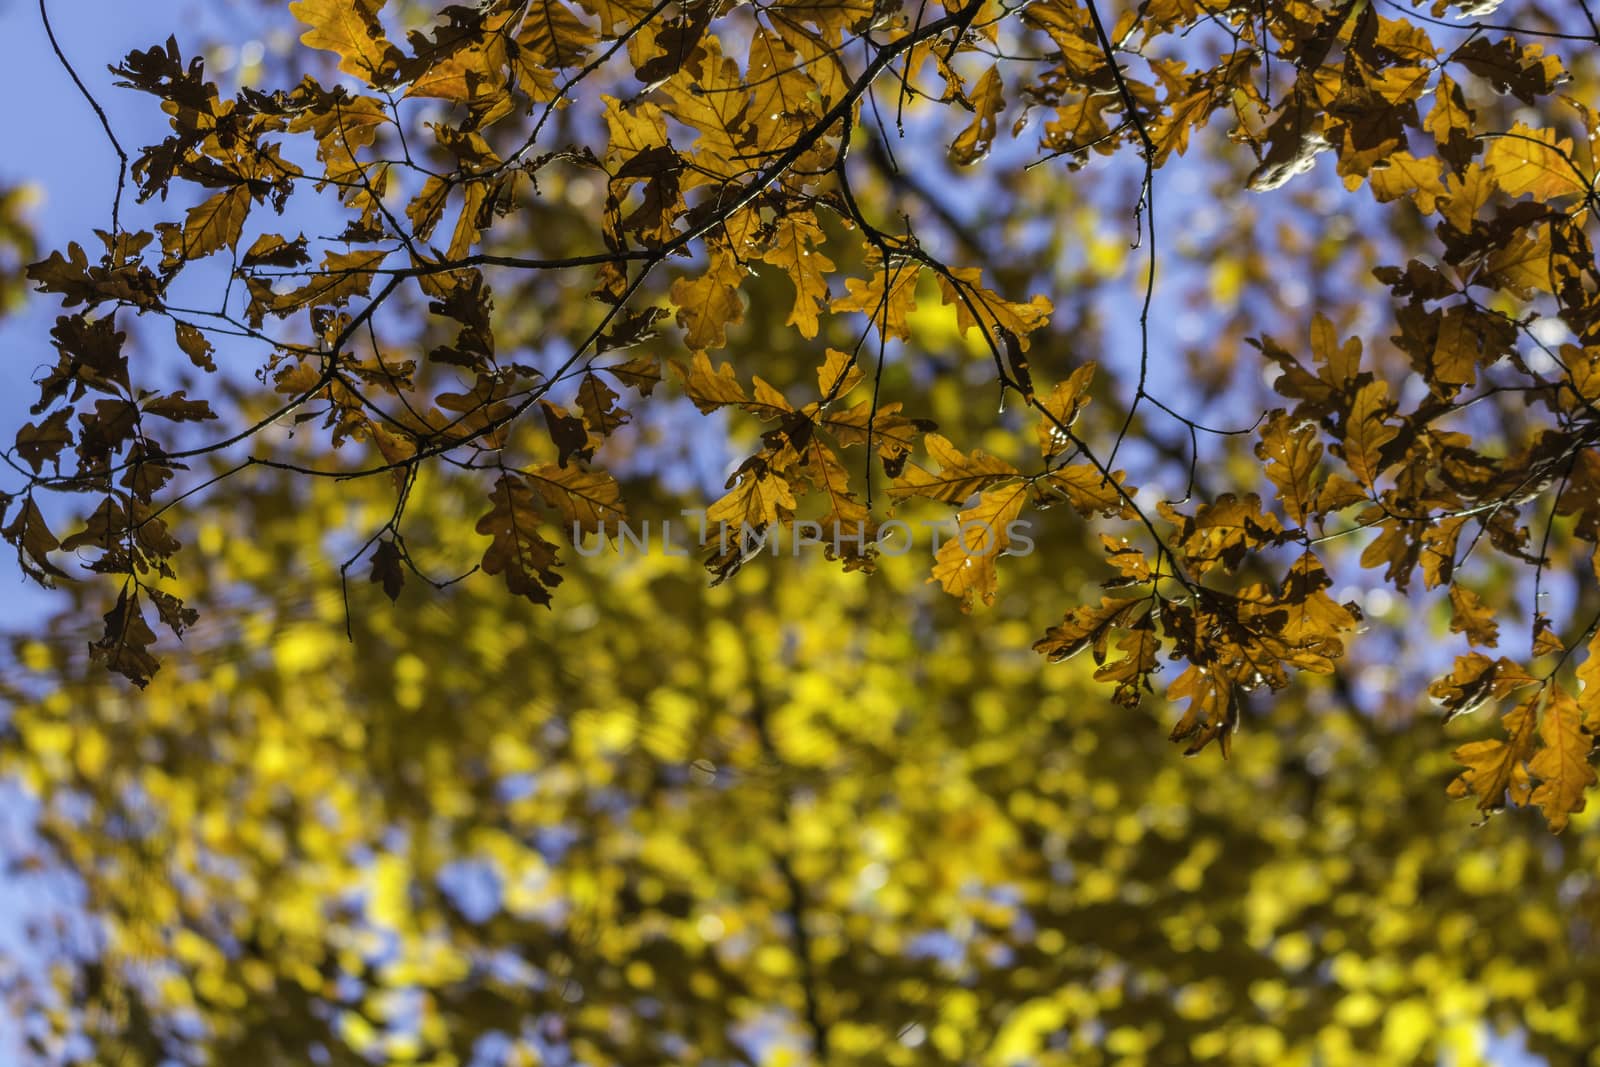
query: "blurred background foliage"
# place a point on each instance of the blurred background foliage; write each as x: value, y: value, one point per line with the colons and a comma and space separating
x: 800, y: 817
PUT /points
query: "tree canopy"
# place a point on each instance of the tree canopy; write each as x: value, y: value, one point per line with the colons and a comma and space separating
x: 1260, y: 344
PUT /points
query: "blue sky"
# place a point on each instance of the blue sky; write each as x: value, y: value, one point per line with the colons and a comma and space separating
x: 61, y: 152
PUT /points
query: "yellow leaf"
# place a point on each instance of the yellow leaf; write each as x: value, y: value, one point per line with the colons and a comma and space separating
x: 1525, y: 160
x: 1589, y: 681
x: 1523, y: 263
x: 960, y: 475
x: 466, y: 232
x: 710, y: 388
x: 1405, y: 175
x: 1496, y: 771
x: 793, y: 249
x: 1562, y: 764
x: 979, y: 306
x: 1090, y: 492
x: 757, y: 498
x: 1338, y: 364
x: 715, y: 104
x: 1291, y: 452
x: 887, y: 298
x: 1312, y: 620
x: 1450, y: 121
x: 350, y: 28
x: 838, y: 374
x: 892, y: 435
x: 767, y: 401
x: 589, y: 500
x: 1139, y: 645
x: 1466, y: 196
x: 553, y: 36
x: 428, y: 206
x: 965, y: 564
x: 1064, y: 404
x: 709, y: 304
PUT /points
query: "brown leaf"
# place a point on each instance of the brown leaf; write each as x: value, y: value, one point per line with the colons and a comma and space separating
x: 388, y: 568
x: 195, y: 346
x: 212, y: 224
x: 599, y: 405
x: 516, y: 549
x: 42, y: 442
x: 1475, y: 681
x: 178, y: 408
x: 590, y: 501
x: 34, y: 543
x: 124, y: 647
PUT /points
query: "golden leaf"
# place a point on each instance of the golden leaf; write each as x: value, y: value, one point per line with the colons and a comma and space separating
x: 979, y: 306
x: 1405, y: 175
x: 1497, y: 770
x: 710, y: 388
x: 1476, y: 680
x: 965, y: 564
x: 794, y: 249
x: 839, y: 373
x: 589, y: 501
x: 1060, y: 410
x: 887, y: 297
x: 1562, y: 763
x: 350, y: 28
x: 1339, y: 364
x: 959, y: 476
x: 1525, y: 160
x: 1090, y: 492
x: 1589, y: 680
x: 1471, y: 616
x: 1366, y: 433
x: 1291, y: 452
x: 709, y: 304
x: 1467, y: 196
x: 757, y: 498
x: 988, y: 98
